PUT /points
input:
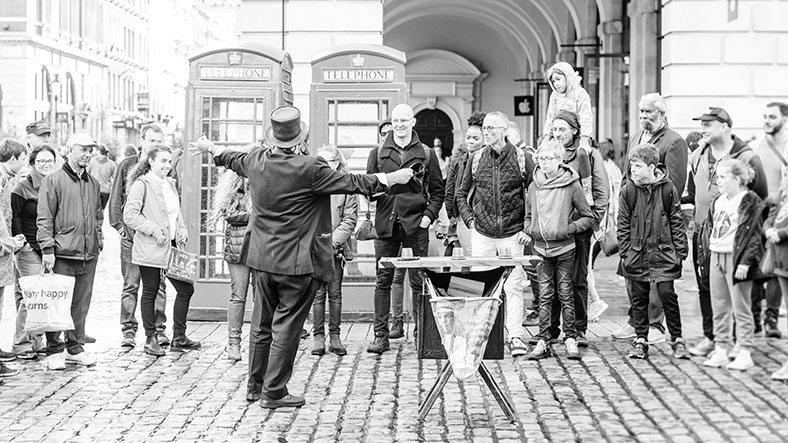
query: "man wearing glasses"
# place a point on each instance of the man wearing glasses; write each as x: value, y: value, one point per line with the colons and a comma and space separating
x: 496, y: 213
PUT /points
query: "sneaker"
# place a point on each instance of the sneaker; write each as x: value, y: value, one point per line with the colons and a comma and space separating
x: 596, y: 309
x: 180, y: 344
x: 639, y: 349
x: 397, y: 328
x: 679, y: 347
x: 717, y: 359
x: 5, y: 371
x: 782, y: 373
x: 81, y: 359
x: 734, y: 352
x: 128, y: 339
x: 56, y: 362
x: 743, y: 361
x: 531, y: 319
x: 535, y: 339
x: 27, y: 355
x: 234, y: 351
x: 163, y: 340
x: 572, y: 352
x: 89, y: 339
x: 379, y: 345
x: 624, y: 332
x: 771, y: 329
x: 581, y: 339
x: 703, y: 348
x: 655, y: 336
x: 7, y: 356
x: 518, y: 347
x: 540, y: 351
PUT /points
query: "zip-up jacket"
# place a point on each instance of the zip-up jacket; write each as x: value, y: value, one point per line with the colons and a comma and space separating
x: 497, y: 208
x: 70, y: 215
x: 600, y: 183
x: 557, y: 209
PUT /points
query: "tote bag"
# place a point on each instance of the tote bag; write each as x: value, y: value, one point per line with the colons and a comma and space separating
x: 47, y: 297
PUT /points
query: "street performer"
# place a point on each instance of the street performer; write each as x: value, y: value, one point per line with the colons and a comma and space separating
x: 288, y: 242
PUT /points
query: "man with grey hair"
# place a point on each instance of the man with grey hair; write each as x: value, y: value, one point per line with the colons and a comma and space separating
x: 673, y: 154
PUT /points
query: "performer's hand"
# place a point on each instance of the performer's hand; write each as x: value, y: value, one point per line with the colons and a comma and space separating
x: 399, y: 177
x: 201, y: 146
x: 425, y: 222
x: 741, y: 272
x: 48, y: 262
x: 182, y: 237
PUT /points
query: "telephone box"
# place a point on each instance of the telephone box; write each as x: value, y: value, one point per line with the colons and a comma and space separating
x: 230, y: 95
x: 354, y: 88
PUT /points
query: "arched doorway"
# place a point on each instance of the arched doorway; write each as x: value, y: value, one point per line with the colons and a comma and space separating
x: 431, y: 123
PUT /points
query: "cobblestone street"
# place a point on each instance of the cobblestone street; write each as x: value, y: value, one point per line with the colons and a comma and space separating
x: 200, y: 395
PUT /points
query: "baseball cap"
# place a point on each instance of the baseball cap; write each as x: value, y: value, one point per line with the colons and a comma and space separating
x: 717, y: 114
x: 40, y: 127
x: 80, y: 138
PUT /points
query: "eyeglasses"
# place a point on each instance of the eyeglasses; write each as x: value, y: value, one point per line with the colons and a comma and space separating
x: 44, y: 162
x: 545, y: 158
x: 491, y: 128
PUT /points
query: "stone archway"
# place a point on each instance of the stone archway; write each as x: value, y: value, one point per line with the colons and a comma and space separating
x: 432, y: 124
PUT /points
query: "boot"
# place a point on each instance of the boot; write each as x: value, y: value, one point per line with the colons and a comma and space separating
x: 335, y: 345
x: 771, y: 329
x: 319, y: 344
x: 379, y: 346
x: 397, y: 328
x: 152, y: 346
x: 234, y: 351
x: 182, y: 343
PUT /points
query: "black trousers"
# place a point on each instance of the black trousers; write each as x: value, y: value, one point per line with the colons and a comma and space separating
x: 282, y: 303
x: 580, y: 287
x: 639, y: 302
x: 704, y: 291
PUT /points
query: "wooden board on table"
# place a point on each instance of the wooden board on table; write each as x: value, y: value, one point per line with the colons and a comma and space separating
x: 445, y: 264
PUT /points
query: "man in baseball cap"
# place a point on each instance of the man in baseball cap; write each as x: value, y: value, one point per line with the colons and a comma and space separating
x: 82, y: 139
x: 38, y: 133
x: 716, y: 114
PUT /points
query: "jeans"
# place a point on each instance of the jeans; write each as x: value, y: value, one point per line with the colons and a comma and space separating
x: 151, y: 282
x: 398, y: 292
x: 334, y: 290
x: 236, y: 306
x: 640, y: 297
x: 555, y: 283
x: 580, y: 282
x: 28, y: 262
x: 83, y: 273
x: 486, y: 246
x: 726, y: 297
x: 533, y: 276
x: 390, y: 247
x: 704, y: 292
x: 131, y: 286
x: 770, y: 290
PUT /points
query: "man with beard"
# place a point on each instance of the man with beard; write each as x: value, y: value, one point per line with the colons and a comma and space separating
x: 772, y: 152
x: 69, y: 233
x: 672, y: 151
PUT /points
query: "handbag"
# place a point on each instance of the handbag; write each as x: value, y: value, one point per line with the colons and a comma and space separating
x: 768, y: 265
x: 366, y: 230
x: 609, y: 242
x: 182, y: 265
x: 47, y: 297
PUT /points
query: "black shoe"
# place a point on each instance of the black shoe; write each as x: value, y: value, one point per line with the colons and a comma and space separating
x: 252, y: 396
x: 288, y: 401
x: 89, y: 339
x: 163, y: 339
x: 335, y: 345
x: 639, y: 349
x: 180, y: 344
x: 771, y: 329
x: 152, y: 347
x: 7, y: 356
x: 319, y: 346
x: 379, y: 346
x: 582, y: 341
x: 532, y: 319
x: 397, y: 328
x: 128, y: 339
x: 5, y: 371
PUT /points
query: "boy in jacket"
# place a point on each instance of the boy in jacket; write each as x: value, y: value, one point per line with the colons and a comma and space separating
x: 653, y: 244
x: 556, y: 210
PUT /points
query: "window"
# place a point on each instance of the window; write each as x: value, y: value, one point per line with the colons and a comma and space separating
x: 353, y: 128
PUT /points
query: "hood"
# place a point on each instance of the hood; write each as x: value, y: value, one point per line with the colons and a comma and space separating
x: 564, y: 176
x: 572, y: 77
x: 739, y: 147
x: 661, y: 172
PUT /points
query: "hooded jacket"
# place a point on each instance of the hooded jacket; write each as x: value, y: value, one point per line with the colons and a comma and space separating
x: 575, y: 99
x: 407, y: 207
x: 702, y: 189
x: 557, y: 210
x: 672, y: 151
x: 652, y: 243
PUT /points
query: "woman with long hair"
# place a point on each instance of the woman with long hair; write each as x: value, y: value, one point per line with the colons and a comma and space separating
x: 232, y: 204
x: 153, y: 211
x: 344, y: 209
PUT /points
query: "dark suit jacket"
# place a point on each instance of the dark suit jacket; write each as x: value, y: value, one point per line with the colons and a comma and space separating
x: 672, y: 153
x: 290, y: 226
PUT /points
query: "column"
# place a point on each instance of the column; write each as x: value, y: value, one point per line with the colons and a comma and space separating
x: 643, y: 49
x: 612, y: 91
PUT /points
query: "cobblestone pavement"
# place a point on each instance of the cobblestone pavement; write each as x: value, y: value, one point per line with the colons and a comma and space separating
x: 200, y: 395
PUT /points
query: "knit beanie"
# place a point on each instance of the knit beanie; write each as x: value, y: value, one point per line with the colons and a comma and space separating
x: 569, y: 117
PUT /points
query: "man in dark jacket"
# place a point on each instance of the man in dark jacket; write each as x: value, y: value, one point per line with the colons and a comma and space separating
x: 496, y: 213
x: 566, y: 128
x: 288, y: 243
x: 150, y: 135
x: 69, y: 233
x: 402, y: 220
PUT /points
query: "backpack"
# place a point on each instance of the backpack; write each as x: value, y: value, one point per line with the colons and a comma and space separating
x: 427, y: 151
x: 630, y: 194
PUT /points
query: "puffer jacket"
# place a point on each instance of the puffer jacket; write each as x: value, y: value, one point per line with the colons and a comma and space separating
x: 344, y: 215
x: 652, y: 244
x: 235, y: 225
x: 575, y: 99
x: 498, y: 202
x: 557, y: 210
x: 70, y: 215
x: 748, y: 240
x: 145, y: 212
x: 24, y: 207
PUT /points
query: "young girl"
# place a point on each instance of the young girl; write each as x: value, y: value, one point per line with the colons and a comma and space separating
x: 735, y: 249
x: 232, y: 203
x: 153, y: 211
x: 568, y: 95
x: 776, y: 231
